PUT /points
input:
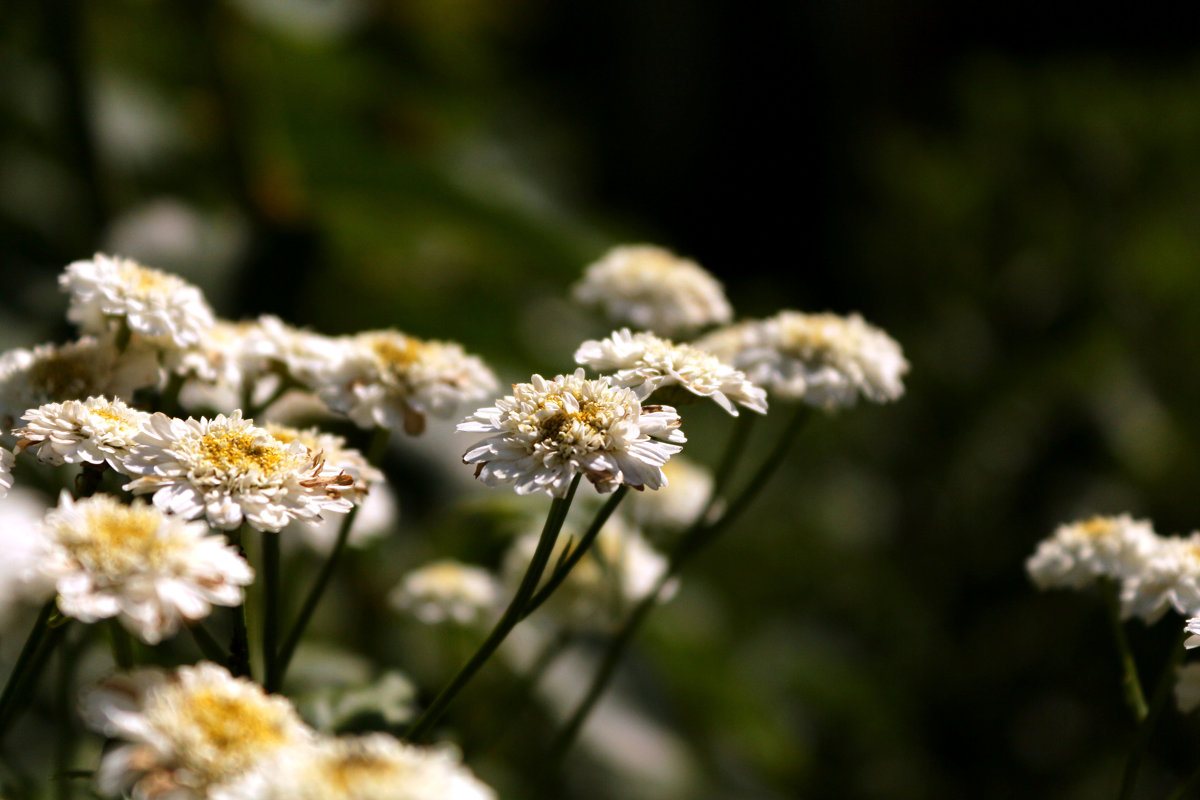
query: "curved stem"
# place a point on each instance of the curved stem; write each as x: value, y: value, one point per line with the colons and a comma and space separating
x: 375, y: 453
x: 1131, y: 684
x: 17, y: 676
x: 738, y: 438
x: 508, y: 620
x: 270, y: 601
x: 701, y: 534
x: 568, y: 562
x: 1158, y: 702
x: 34, y: 664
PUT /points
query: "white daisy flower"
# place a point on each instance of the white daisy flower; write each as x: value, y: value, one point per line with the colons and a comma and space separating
x: 394, y: 381
x: 1169, y: 577
x: 618, y: 571
x: 188, y: 732
x: 375, y: 766
x: 1192, y: 626
x: 1079, y: 553
x: 546, y: 431
x: 232, y: 357
x: 229, y: 470
x: 447, y: 590
x: 333, y: 449
x: 108, y: 290
x: 823, y: 360
x: 95, y: 431
x: 653, y: 289
x: 306, y: 356
x: 677, y: 505
x: 53, y: 373
x: 645, y: 363
x: 149, y: 569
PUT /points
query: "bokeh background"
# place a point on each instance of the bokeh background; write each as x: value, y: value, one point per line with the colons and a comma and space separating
x: 1012, y: 191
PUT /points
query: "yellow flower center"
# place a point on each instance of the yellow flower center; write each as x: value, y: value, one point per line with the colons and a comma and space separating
x: 1097, y: 527
x: 349, y: 770
x: 233, y: 725
x: 119, y: 539
x: 143, y: 280
x: 62, y: 376
x: 228, y: 450
x: 397, y: 352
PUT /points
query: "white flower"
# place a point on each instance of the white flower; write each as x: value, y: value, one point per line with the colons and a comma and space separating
x: 162, y: 307
x: 149, y: 569
x: 95, y: 431
x: 188, y: 732
x: 232, y: 357
x: 228, y: 470
x: 653, y: 289
x: 22, y: 584
x: 394, y: 381
x: 54, y: 373
x: 378, y: 514
x: 546, y: 431
x: 645, y: 363
x: 1079, y: 553
x: 6, y: 478
x: 618, y: 570
x: 306, y: 356
x: 1187, y: 688
x: 371, y: 767
x: 1169, y: 577
x: 447, y: 590
x: 824, y: 360
x: 677, y: 505
x: 333, y: 449
x: 1192, y: 626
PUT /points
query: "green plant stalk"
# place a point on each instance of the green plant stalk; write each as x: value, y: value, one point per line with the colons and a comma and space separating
x: 563, y: 568
x: 35, y: 664
x: 271, y: 602
x: 375, y: 453
x: 1131, y: 683
x: 208, y: 644
x: 122, y: 645
x: 1158, y: 702
x: 239, y: 646
x: 17, y: 677
x: 508, y: 620
x: 695, y: 539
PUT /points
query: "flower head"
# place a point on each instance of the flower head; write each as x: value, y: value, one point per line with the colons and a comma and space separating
x: 1079, y: 553
x: 823, y: 360
x: 95, y: 431
x: 229, y: 470
x: 546, y: 431
x: 162, y: 307
x: 149, y: 569
x: 393, y: 380
x: 371, y: 767
x: 653, y: 289
x: 677, y: 505
x: 447, y: 590
x: 645, y: 363
x: 188, y: 732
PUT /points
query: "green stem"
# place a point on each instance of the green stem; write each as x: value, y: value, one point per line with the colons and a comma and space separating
x: 239, y: 646
x: 1131, y: 684
x: 568, y: 562
x: 375, y: 452
x: 122, y: 645
x: 87, y: 482
x: 30, y: 664
x: 696, y: 538
x: 512, y: 615
x: 734, y: 449
x: 270, y: 629
x: 208, y: 644
x: 1158, y: 702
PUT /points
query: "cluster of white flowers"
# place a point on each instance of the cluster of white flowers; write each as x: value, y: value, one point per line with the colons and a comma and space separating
x: 653, y: 289
x: 645, y: 363
x: 824, y: 360
x: 197, y: 733
x: 1153, y: 573
x: 547, y: 431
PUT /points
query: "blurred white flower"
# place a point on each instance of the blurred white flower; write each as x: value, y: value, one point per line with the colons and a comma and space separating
x: 378, y: 515
x: 22, y: 583
x: 1169, y: 577
x: 678, y: 504
x: 824, y: 360
x: 109, y: 290
x: 1079, y: 553
x: 188, y: 732
x: 149, y: 569
x: 392, y: 380
x: 375, y: 766
x: 653, y: 289
x: 618, y: 570
x: 546, y: 431
x: 644, y: 362
x: 53, y: 373
x: 95, y: 431
x: 229, y: 470
x: 6, y: 477
x: 447, y: 590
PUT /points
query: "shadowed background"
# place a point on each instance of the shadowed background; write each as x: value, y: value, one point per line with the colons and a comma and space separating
x: 1012, y: 193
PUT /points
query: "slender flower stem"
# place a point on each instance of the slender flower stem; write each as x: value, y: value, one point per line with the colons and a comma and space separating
x: 270, y: 601
x: 1131, y: 684
x: 17, y: 676
x: 30, y: 664
x: 734, y: 450
x: 564, y: 567
x: 508, y: 620
x: 1158, y: 702
x: 208, y: 644
x: 695, y: 539
x: 375, y: 453
x: 122, y: 645
x: 239, y: 647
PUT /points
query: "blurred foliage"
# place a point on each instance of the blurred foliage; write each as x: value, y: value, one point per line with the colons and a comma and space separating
x: 1021, y: 218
